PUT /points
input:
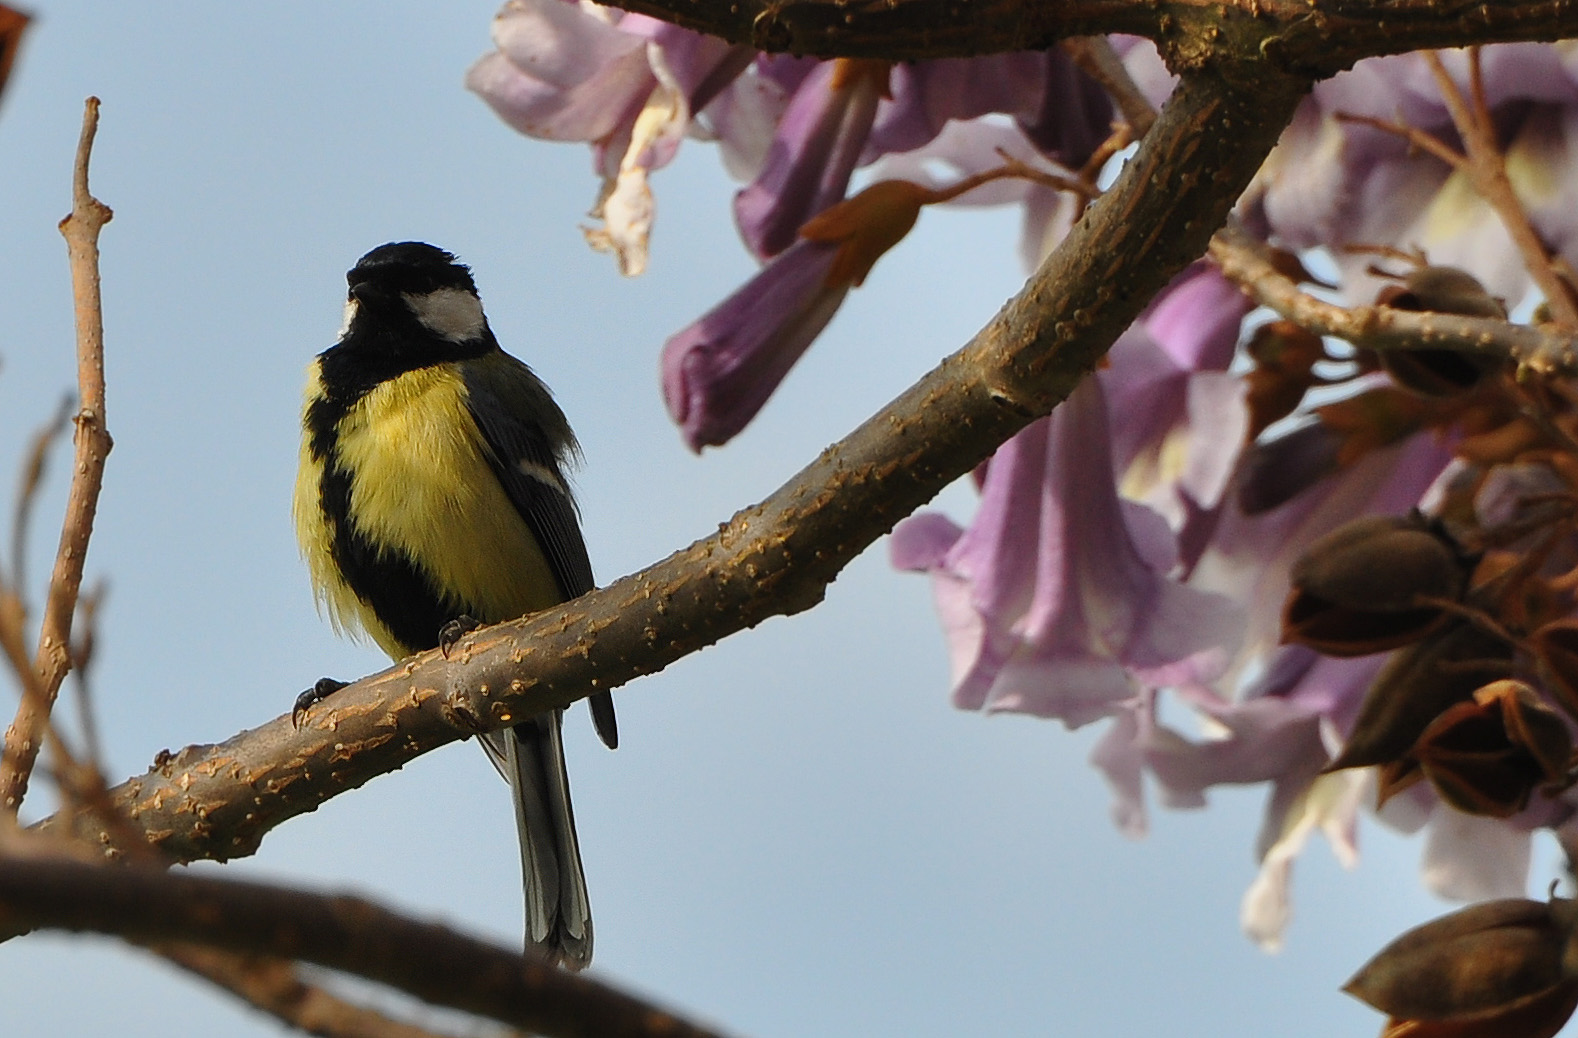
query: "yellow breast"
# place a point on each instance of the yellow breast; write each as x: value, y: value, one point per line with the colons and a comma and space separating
x: 421, y: 486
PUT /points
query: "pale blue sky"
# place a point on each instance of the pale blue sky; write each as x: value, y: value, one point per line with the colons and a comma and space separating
x: 798, y: 836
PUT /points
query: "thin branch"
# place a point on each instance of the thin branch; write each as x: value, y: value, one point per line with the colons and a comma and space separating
x: 774, y: 558
x: 277, y: 989
x: 1096, y: 58
x: 27, y: 491
x: 1014, y: 169
x: 1487, y: 167
x: 1247, y: 262
x: 434, y: 963
x: 1420, y: 139
x: 81, y: 229
x: 83, y: 642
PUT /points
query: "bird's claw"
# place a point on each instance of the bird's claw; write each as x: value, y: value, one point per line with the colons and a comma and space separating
x: 452, y: 632
x: 321, y: 689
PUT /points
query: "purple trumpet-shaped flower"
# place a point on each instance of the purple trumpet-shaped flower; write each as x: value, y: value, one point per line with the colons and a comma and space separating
x: 817, y: 146
x: 928, y: 95
x: 718, y: 372
x: 1057, y: 601
x: 630, y: 86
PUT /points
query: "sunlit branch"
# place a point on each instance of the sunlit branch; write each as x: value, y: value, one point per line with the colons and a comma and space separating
x: 1246, y: 261
x: 1291, y: 36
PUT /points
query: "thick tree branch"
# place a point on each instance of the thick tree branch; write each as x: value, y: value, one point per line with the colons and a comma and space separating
x: 434, y: 963
x: 1247, y: 262
x: 774, y: 558
x: 1297, y: 36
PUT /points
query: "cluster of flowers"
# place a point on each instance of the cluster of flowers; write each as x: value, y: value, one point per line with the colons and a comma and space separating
x: 1177, y: 527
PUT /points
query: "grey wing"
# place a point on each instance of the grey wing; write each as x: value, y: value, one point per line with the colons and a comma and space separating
x: 527, y: 465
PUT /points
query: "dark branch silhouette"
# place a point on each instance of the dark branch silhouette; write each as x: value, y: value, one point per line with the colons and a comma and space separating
x: 435, y: 963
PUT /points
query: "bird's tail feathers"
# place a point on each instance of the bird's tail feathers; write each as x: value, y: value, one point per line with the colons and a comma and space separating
x: 558, y: 912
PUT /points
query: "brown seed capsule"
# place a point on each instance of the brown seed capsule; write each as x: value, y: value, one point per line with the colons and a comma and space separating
x: 1446, y: 290
x: 1415, y: 687
x: 1362, y: 588
x: 1499, y: 969
x: 1442, y: 290
x: 1556, y: 648
x: 1487, y: 756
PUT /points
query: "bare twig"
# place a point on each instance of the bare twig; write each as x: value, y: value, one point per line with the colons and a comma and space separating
x: 81, y: 229
x: 1487, y: 167
x: 1096, y: 58
x: 83, y: 641
x: 1419, y: 139
x: 1246, y: 262
x: 276, y: 987
x: 1014, y: 169
x: 27, y: 492
x: 434, y: 963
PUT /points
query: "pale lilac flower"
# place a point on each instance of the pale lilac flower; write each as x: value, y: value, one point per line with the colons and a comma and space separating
x: 627, y: 84
x: 1469, y: 858
x: 718, y: 372
x: 1249, y: 556
x: 1057, y: 601
x: 1181, y: 419
x: 1330, y: 806
x: 1332, y: 183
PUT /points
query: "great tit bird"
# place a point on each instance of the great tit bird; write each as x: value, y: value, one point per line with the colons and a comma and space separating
x: 431, y: 491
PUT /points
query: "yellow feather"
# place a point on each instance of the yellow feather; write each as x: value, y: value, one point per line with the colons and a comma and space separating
x: 421, y: 487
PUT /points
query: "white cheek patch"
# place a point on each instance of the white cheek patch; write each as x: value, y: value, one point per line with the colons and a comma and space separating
x: 351, y: 307
x: 452, y: 313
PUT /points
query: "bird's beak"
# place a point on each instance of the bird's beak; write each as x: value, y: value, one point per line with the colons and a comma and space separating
x: 368, y: 292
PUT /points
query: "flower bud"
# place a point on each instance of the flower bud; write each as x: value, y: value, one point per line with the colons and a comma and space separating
x: 866, y: 226
x: 1361, y: 588
x: 1499, y: 969
x: 1285, y: 356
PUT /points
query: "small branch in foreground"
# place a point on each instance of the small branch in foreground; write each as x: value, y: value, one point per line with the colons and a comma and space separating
x: 27, y: 491
x: 436, y: 964
x: 1245, y: 261
x: 276, y: 988
x: 81, y: 229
